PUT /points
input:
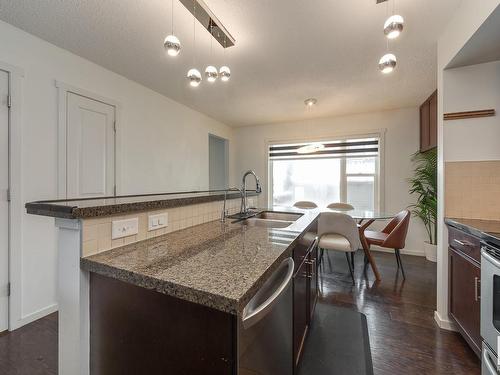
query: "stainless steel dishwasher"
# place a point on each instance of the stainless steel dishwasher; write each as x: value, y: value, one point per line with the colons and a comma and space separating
x: 265, y: 329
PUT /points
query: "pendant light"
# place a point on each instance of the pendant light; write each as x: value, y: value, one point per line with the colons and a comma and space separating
x: 194, y: 75
x: 387, y: 63
x: 393, y: 26
x: 211, y: 71
x: 314, y: 146
x: 172, y: 44
x: 224, y: 71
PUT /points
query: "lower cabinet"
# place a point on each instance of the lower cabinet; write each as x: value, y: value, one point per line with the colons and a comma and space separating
x: 464, y: 296
x: 305, y: 295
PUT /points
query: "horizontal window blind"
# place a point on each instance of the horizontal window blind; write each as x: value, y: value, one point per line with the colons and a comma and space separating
x: 348, y: 148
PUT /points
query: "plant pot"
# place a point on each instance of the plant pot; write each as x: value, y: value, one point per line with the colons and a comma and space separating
x: 430, y: 251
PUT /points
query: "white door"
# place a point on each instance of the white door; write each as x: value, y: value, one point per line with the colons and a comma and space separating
x: 4, y: 204
x: 90, y: 148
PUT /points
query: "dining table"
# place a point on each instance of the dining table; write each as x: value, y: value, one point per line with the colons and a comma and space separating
x: 365, y: 218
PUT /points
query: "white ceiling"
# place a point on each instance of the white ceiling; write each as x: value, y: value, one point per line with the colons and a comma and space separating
x: 286, y: 51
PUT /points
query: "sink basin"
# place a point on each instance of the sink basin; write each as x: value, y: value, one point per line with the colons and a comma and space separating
x: 256, y: 222
x: 273, y: 215
x: 271, y: 219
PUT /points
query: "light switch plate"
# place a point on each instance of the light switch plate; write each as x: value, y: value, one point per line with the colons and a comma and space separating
x: 124, y: 228
x: 157, y: 221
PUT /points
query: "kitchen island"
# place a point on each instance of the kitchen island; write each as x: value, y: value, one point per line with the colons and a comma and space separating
x: 176, y: 301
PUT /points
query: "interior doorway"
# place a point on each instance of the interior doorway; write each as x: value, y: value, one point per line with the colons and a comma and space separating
x: 218, y: 162
x: 4, y: 200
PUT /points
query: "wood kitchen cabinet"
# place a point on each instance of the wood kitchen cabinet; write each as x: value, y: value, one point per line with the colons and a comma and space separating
x: 464, y: 286
x: 305, y: 291
x: 428, y: 123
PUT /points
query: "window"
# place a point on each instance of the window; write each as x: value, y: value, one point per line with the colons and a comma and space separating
x: 344, y: 170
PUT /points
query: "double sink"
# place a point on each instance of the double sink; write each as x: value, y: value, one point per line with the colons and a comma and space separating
x: 269, y: 219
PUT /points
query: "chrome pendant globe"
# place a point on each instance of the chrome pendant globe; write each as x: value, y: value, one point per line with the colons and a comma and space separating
x: 393, y: 26
x: 172, y: 45
x: 211, y: 73
x: 225, y: 73
x: 194, y: 77
x: 387, y: 63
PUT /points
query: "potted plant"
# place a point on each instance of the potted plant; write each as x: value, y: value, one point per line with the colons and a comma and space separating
x: 424, y: 185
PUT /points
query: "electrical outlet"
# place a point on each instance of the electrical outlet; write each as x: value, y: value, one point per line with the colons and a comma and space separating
x: 124, y: 228
x: 157, y: 221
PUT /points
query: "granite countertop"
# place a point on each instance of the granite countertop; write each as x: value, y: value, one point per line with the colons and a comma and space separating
x: 97, y: 207
x: 486, y: 230
x: 219, y: 265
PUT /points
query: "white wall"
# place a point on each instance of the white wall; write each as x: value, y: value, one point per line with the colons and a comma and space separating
x: 164, y: 147
x: 471, y: 88
x: 401, y: 141
x: 465, y: 22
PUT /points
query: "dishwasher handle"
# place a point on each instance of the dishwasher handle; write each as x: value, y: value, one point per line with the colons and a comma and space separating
x: 253, y: 315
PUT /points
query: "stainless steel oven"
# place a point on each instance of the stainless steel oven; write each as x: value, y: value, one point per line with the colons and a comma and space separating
x: 490, y: 307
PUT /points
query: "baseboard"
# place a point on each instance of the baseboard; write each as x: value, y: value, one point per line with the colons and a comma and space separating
x: 34, y: 316
x: 418, y: 253
x: 445, y: 323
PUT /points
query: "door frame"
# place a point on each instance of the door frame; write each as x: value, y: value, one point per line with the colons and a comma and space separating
x: 63, y: 89
x: 16, y: 209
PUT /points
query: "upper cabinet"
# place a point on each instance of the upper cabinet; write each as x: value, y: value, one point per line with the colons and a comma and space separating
x: 428, y: 123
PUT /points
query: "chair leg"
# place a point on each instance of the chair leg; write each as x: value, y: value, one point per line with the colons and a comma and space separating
x: 398, y: 256
x: 351, y: 270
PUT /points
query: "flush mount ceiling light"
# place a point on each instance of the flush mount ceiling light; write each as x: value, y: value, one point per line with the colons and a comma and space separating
x: 387, y: 63
x: 171, y: 43
x: 393, y: 26
x: 310, y: 102
x: 315, y: 146
x: 311, y: 148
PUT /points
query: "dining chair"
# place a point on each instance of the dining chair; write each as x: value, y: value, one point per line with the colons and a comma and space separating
x: 305, y: 204
x: 393, y: 236
x: 341, y: 206
x: 339, y: 232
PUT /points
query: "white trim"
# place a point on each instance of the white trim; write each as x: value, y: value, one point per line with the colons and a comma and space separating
x: 37, y: 315
x: 16, y: 209
x: 444, y: 323
x: 376, y: 133
x: 62, y: 93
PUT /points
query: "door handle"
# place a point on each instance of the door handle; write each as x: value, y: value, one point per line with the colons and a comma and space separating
x: 462, y: 243
x: 487, y: 361
x: 477, y: 286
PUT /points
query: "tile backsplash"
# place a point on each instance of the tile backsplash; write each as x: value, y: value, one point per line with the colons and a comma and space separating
x: 472, y: 189
x: 96, y: 234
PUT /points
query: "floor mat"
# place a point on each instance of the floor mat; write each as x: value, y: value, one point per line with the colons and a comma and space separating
x: 337, y: 343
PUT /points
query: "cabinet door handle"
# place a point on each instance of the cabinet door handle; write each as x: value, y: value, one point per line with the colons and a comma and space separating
x: 462, y: 243
x: 477, y: 285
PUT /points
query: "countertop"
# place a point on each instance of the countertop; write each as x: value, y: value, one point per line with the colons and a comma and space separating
x: 486, y: 230
x: 219, y: 265
x: 107, y: 206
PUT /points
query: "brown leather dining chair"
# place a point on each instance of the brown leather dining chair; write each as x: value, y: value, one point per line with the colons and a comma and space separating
x: 393, y: 236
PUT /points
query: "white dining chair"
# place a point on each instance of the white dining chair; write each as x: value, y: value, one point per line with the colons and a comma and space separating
x: 339, y: 232
x: 341, y: 206
x: 305, y: 204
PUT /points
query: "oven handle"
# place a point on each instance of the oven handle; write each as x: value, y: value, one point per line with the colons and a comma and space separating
x: 489, y: 258
x: 487, y: 362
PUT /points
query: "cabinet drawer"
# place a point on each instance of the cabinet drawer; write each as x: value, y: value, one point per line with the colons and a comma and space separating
x: 465, y: 243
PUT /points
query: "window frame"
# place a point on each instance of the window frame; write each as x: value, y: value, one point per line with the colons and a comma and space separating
x: 379, y: 177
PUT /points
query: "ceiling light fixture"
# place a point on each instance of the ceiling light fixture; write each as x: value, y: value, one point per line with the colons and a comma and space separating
x: 393, y: 26
x: 194, y: 75
x: 171, y: 43
x: 387, y: 63
x: 315, y: 146
x: 224, y: 71
x: 211, y: 71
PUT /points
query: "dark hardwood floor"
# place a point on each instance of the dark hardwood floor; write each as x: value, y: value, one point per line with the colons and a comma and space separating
x: 403, y: 336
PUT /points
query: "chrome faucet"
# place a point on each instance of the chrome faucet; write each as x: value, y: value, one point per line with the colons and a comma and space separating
x: 258, y: 190
x: 224, y: 213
